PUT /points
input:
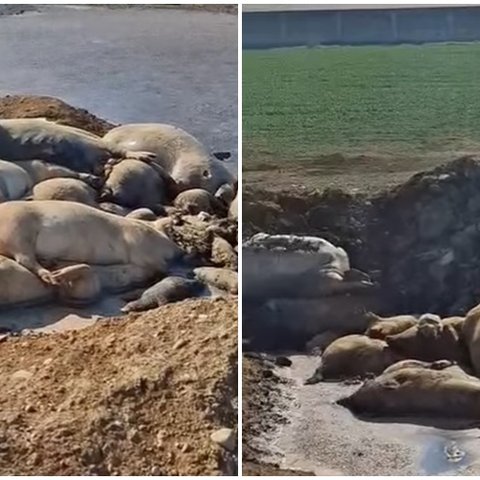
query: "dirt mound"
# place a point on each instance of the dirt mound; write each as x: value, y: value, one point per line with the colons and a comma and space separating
x: 31, y: 106
x: 139, y: 395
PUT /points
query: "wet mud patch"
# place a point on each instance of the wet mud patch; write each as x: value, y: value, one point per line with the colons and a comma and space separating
x: 264, y: 402
x: 53, y: 317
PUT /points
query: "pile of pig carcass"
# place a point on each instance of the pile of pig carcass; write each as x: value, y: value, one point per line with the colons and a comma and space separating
x: 84, y: 216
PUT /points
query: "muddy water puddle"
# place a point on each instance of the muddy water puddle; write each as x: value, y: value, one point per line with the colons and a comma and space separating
x: 327, y: 439
x: 52, y: 317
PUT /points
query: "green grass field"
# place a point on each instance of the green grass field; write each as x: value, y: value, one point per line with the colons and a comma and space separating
x: 299, y: 104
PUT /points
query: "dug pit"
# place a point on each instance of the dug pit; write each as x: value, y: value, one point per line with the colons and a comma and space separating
x: 417, y: 242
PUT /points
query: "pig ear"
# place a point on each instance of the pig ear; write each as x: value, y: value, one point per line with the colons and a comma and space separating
x: 374, y: 332
x: 390, y: 384
x: 441, y: 364
x: 450, y: 330
x: 315, y: 378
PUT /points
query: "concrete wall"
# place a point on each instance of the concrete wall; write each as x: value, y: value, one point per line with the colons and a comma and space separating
x: 360, y: 27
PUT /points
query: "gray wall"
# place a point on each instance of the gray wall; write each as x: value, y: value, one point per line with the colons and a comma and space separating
x: 360, y: 27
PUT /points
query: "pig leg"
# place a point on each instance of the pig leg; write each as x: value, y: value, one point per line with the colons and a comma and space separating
x: 68, y: 275
x: 29, y: 261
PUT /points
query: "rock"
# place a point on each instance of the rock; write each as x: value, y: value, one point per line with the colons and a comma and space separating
x: 22, y: 375
x: 180, y: 343
x: 204, y: 216
x: 225, y: 437
x: 92, y: 455
x: 133, y: 435
x: 222, y: 278
x: 35, y: 458
x: 283, y: 361
x: 160, y: 439
x: 223, y: 254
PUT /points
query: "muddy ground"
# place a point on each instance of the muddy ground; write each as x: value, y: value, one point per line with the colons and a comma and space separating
x: 261, y: 414
x: 416, y: 236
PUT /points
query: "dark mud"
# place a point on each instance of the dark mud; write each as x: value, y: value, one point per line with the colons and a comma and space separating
x: 263, y: 406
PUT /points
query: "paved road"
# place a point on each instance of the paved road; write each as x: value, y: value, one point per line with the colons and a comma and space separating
x: 128, y: 65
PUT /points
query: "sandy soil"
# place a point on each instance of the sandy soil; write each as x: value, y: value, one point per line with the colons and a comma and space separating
x: 127, y: 396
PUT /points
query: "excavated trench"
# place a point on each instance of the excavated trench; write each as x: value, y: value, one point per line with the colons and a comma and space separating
x: 418, y: 244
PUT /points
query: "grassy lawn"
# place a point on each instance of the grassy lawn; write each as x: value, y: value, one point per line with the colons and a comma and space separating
x: 300, y: 104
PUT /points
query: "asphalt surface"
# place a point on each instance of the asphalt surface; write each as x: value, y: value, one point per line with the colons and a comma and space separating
x: 128, y: 65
